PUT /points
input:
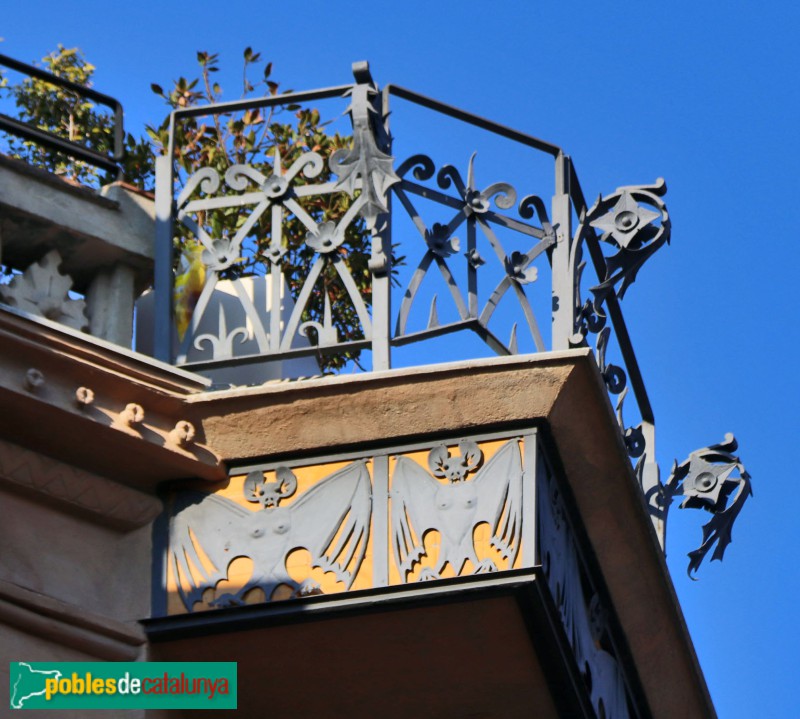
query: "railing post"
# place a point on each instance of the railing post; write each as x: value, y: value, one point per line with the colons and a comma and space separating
x: 369, y: 112
x: 381, y: 262
x: 162, y: 286
x: 650, y: 480
x: 563, y: 272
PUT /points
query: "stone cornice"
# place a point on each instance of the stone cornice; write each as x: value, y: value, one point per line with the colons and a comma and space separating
x: 68, y: 625
x: 91, y: 403
x: 74, y: 490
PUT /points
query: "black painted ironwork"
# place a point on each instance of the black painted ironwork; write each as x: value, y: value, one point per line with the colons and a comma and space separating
x: 109, y: 162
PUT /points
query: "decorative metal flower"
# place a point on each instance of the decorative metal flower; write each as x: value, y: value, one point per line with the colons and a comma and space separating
x: 275, y: 187
x: 477, y: 201
x: 474, y: 258
x: 221, y: 256
x: 625, y: 220
x: 439, y: 241
x: 518, y: 268
x: 275, y: 253
x: 326, y: 238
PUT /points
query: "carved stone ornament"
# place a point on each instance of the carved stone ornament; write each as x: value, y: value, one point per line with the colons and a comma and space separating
x: 43, y: 291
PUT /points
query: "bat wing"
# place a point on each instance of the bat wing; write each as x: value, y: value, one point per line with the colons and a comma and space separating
x: 499, y: 487
x: 331, y: 520
x: 413, y: 507
x: 203, y: 525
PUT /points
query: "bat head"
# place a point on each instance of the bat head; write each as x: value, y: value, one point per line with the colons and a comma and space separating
x: 269, y: 494
x: 454, y: 469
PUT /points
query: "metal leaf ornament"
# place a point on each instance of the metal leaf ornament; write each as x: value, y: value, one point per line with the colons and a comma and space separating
x: 629, y: 226
x: 365, y: 166
x: 705, y: 479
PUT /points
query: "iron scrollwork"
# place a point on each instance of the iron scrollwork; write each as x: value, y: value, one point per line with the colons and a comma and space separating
x: 636, y: 232
x: 616, y: 236
x: 276, y: 192
x: 474, y: 208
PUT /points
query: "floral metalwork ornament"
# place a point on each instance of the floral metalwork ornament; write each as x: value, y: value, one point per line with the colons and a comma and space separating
x: 440, y: 242
x: 519, y: 268
x: 365, y: 166
x: 326, y: 238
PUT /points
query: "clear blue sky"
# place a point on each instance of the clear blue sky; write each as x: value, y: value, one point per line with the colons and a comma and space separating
x: 704, y: 94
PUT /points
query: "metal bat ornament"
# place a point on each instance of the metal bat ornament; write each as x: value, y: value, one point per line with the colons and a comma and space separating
x: 331, y: 520
x: 455, y: 507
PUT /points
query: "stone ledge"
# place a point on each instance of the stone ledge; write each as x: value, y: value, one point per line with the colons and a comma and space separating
x: 40, y: 212
x: 90, y: 403
x: 69, y: 625
x: 74, y: 490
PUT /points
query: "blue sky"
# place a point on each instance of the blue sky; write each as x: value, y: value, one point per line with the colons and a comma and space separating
x: 703, y: 94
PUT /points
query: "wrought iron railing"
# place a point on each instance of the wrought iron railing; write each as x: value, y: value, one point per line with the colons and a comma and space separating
x: 106, y: 161
x: 591, y: 254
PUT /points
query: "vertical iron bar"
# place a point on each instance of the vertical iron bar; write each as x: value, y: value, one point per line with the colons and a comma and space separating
x: 276, y: 284
x: 380, y: 521
x: 381, y: 313
x: 382, y: 250
x: 651, y: 483
x: 472, y: 271
x: 563, y: 275
x: 530, y: 484
x: 163, y: 280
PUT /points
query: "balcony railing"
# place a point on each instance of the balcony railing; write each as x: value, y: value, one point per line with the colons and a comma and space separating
x: 109, y: 161
x: 446, y: 252
x: 490, y: 250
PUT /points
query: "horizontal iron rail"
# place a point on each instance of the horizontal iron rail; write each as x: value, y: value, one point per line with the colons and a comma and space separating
x: 54, y: 142
x: 295, y: 352
x: 220, y: 108
x: 472, y: 119
x: 253, y: 103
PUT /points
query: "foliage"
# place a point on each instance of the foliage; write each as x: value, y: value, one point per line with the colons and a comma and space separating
x: 66, y: 114
x: 219, y: 141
